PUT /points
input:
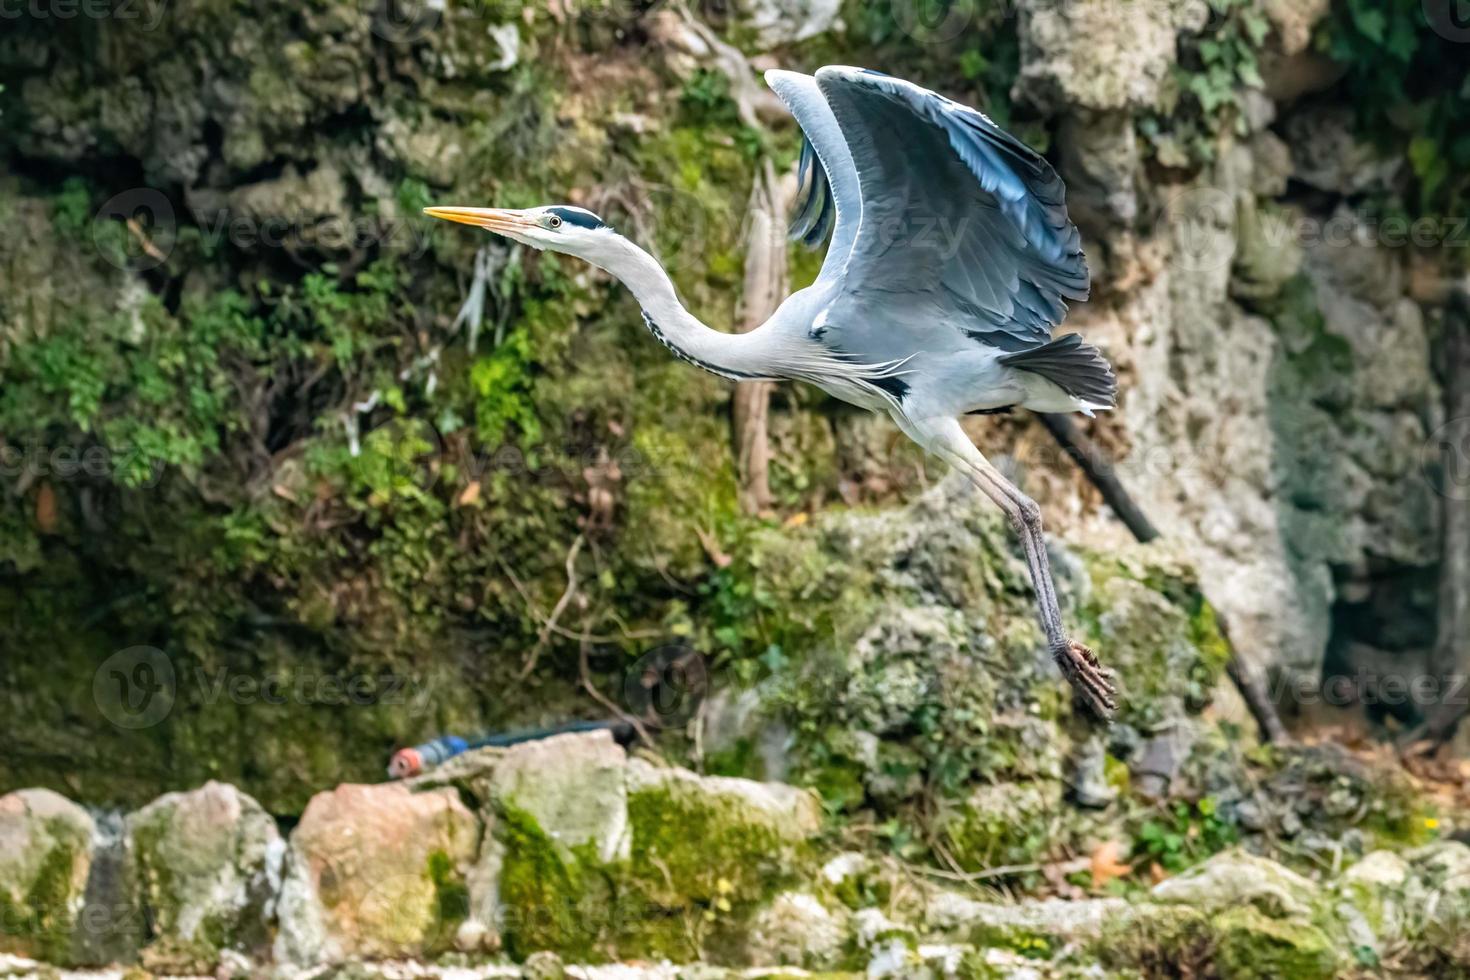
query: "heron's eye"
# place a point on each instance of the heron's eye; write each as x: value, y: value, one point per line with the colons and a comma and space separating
x: 553, y: 222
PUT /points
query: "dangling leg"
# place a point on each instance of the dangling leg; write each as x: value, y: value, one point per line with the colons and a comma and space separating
x: 946, y: 439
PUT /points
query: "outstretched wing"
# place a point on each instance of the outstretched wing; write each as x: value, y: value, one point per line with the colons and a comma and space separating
x: 954, y: 211
x: 828, y: 200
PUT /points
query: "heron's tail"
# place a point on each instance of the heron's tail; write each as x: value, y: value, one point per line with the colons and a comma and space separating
x: 1078, y: 369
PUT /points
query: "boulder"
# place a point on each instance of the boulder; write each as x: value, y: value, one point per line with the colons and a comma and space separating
x: 796, y: 929
x: 1250, y: 944
x: 573, y: 787
x: 374, y: 872
x: 715, y: 851
x: 45, y: 858
x: 206, y: 865
x: 1235, y: 878
x: 1371, y: 899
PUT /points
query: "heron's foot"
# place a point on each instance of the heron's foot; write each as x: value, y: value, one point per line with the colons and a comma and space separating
x: 1089, y: 678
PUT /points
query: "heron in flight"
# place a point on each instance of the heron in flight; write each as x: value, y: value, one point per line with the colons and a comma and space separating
x: 951, y: 261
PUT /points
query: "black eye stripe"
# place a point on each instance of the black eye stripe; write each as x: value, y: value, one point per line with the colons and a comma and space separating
x: 582, y: 219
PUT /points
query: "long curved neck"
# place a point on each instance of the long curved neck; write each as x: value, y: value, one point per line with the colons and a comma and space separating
x: 737, y: 357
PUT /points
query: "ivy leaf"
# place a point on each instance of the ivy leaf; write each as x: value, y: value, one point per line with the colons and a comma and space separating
x: 1256, y: 26
x: 1371, y: 22
x: 1250, y: 74
x: 1403, y: 42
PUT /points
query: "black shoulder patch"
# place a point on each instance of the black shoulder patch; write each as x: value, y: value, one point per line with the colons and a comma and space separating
x: 897, y: 387
x: 578, y: 217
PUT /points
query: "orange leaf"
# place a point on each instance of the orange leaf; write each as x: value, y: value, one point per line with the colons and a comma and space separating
x: 470, y: 494
x: 46, y: 508
x: 1107, y: 864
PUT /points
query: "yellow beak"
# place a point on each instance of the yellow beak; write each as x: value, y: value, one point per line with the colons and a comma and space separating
x: 498, y: 220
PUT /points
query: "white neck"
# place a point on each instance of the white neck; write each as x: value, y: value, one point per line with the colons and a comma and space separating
x: 734, y: 356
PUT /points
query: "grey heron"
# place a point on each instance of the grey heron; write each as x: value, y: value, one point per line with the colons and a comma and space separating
x: 951, y: 261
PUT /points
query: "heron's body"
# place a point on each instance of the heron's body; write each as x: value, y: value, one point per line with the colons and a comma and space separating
x: 950, y: 263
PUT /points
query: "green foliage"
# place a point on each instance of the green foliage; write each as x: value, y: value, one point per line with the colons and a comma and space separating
x: 502, y: 385
x: 73, y: 207
x: 1213, y: 70
x: 1184, y: 835
x: 1408, y: 84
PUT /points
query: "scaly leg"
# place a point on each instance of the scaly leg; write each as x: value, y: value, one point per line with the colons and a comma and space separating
x: 945, y: 438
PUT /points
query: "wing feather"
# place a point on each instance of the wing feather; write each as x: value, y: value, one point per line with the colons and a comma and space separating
x: 829, y: 201
x: 955, y: 208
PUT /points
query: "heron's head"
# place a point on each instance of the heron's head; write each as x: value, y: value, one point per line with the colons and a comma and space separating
x: 559, y: 227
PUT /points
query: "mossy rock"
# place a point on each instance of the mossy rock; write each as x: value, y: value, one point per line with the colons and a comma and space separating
x: 1005, y: 824
x: 203, y: 864
x: 1252, y: 946
x: 45, y: 858
x: 704, y: 854
x: 377, y: 872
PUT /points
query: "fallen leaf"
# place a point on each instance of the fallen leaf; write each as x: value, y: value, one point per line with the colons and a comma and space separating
x: 1157, y: 873
x: 1107, y: 864
x: 470, y: 494
x: 797, y: 519
x: 46, y: 508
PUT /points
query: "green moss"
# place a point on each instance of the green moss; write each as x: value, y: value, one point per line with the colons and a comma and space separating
x: 696, y: 853
x: 41, y: 922
x: 1157, y: 942
x: 1026, y: 942
x: 451, y: 895
x: 545, y: 893
x: 1251, y: 946
x: 1009, y: 824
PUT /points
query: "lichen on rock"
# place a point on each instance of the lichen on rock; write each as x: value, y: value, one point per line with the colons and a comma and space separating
x: 45, y: 857
x: 376, y: 871
x: 207, y: 866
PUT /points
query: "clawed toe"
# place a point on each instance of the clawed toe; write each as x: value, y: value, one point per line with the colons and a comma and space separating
x: 1089, y: 678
